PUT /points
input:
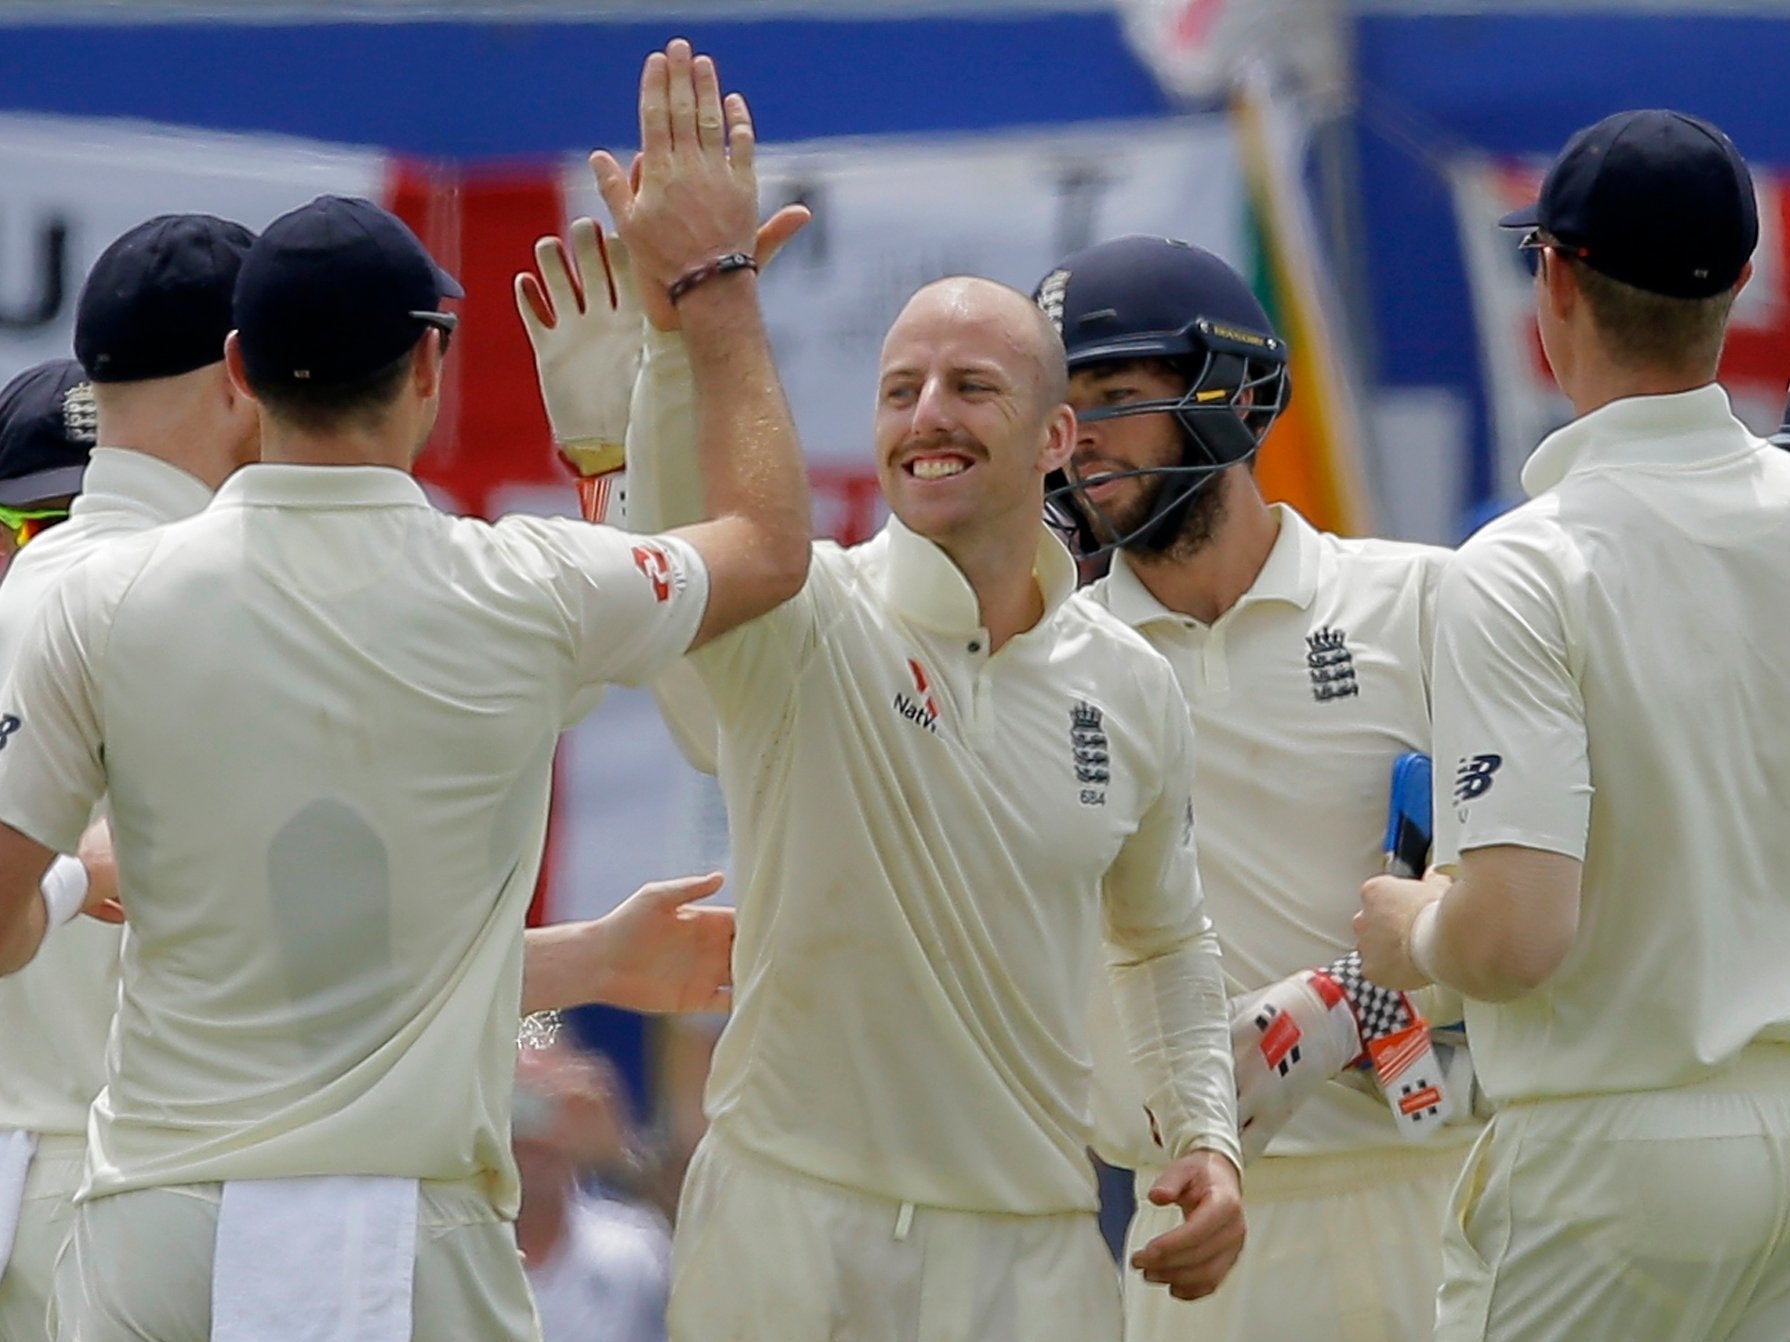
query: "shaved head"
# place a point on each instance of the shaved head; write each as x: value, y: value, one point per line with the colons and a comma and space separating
x: 1019, y: 322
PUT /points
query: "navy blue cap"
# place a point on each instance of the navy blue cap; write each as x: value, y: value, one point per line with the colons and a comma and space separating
x: 48, y: 425
x: 1141, y: 297
x: 332, y: 292
x: 157, y: 302
x: 1653, y: 198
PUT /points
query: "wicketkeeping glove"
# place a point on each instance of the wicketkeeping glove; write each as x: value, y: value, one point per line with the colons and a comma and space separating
x: 1291, y: 1037
x: 584, y: 321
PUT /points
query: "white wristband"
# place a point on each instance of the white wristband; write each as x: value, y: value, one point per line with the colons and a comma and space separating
x: 64, y: 889
x: 1422, y: 945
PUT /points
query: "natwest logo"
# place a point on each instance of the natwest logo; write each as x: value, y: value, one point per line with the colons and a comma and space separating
x: 920, y: 707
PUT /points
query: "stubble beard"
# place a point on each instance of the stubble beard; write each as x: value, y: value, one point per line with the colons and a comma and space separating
x: 1199, y: 524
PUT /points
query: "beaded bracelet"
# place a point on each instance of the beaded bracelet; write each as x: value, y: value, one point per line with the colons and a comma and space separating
x: 721, y: 265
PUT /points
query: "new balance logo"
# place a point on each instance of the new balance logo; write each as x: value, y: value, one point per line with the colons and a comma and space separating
x: 1473, y: 776
x: 1330, y: 664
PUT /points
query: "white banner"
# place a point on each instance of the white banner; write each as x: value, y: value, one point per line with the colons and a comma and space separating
x: 892, y: 215
x: 69, y: 187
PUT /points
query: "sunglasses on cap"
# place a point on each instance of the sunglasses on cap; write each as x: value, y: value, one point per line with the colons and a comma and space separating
x: 445, y: 322
x: 1535, y: 242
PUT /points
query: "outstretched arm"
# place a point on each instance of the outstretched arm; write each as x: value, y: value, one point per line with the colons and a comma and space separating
x: 654, y: 953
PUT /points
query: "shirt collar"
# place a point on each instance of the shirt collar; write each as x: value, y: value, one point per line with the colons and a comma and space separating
x: 1289, y: 574
x: 921, y: 581
x: 121, y: 479
x: 1678, y: 429
x: 282, y: 485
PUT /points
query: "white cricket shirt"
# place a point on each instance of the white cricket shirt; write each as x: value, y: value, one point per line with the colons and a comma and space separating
x: 55, y: 1013
x: 1302, y: 695
x: 1613, y: 683
x: 327, y: 715
x: 931, y: 839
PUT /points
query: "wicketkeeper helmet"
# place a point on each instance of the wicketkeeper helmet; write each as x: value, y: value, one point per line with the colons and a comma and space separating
x: 1144, y: 298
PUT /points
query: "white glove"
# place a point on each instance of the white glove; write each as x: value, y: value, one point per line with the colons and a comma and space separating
x: 584, y: 321
x: 1288, y: 1040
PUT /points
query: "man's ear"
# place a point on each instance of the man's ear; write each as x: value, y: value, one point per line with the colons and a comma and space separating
x: 234, y: 368
x: 426, y: 363
x: 1059, y: 441
x: 1560, y: 283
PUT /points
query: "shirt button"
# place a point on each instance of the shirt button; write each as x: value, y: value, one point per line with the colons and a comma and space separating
x: 975, y: 647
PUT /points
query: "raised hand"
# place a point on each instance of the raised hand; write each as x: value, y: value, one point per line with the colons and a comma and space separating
x: 694, y: 197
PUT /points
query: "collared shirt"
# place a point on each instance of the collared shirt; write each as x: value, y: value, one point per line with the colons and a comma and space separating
x: 932, y: 837
x: 928, y: 842
x: 56, y: 1012
x: 325, y: 714
x: 1613, y: 684
x: 1302, y: 694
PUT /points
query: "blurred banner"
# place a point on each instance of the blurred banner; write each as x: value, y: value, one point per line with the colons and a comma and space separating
x: 1313, y: 456
x: 1523, y: 402
x: 1198, y: 49
x: 68, y: 187
x: 890, y: 214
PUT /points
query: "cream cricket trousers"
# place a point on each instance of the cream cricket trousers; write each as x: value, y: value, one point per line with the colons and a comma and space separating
x: 762, y: 1254
x: 1658, y: 1216
x: 138, y: 1269
x: 45, y: 1220
x: 1341, y: 1248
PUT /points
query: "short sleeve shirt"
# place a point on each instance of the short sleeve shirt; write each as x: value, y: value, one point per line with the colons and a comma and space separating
x: 1612, y: 680
x: 56, y: 1013
x: 325, y: 715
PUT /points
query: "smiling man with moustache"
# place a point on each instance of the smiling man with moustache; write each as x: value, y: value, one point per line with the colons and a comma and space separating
x: 945, y: 783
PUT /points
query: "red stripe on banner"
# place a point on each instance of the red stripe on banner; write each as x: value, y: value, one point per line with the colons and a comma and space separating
x: 492, y: 433
x: 482, y: 226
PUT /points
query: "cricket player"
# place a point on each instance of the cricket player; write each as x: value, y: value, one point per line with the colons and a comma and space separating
x: 151, y: 319
x: 1304, y: 661
x: 53, y: 1018
x: 945, y: 781
x: 306, y: 1107
x: 1611, y: 673
x: 46, y: 432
